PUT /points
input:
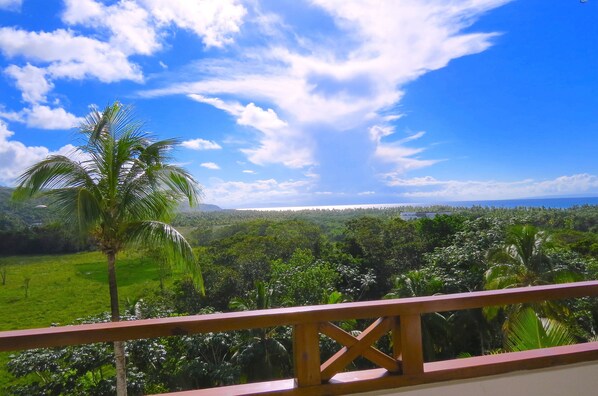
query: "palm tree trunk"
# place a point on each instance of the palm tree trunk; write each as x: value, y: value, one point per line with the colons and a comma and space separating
x: 119, y: 346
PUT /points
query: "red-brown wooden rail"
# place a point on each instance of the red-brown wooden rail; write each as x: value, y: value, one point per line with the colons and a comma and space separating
x: 402, y: 317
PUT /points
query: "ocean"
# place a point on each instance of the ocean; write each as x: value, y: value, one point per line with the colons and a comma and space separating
x: 557, y: 203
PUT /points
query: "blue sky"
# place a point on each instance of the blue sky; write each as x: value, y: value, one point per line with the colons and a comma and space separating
x: 284, y: 103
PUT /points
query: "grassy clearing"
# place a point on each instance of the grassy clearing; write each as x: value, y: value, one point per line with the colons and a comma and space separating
x: 62, y: 288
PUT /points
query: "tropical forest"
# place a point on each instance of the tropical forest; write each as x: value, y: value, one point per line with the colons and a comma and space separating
x: 248, y: 260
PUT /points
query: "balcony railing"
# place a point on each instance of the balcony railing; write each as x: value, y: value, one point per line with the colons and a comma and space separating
x: 399, y: 317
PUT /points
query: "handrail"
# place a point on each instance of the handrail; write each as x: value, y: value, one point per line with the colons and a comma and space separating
x: 402, y: 317
x: 183, y: 325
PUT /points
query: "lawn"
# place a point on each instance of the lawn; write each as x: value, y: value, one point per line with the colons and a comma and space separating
x: 62, y: 288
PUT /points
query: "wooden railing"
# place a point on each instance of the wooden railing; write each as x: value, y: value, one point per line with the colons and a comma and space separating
x: 401, y: 317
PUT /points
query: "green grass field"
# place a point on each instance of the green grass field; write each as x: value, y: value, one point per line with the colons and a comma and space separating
x: 63, y: 288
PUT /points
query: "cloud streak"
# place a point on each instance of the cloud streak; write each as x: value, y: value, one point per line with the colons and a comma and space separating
x: 431, y: 188
x: 201, y: 144
x: 233, y: 194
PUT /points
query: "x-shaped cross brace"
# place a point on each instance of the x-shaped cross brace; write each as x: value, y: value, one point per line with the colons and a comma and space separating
x: 357, y: 346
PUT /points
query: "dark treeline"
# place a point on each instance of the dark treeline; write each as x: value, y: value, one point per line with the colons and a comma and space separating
x: 34, y: 228
x: 261, y: 260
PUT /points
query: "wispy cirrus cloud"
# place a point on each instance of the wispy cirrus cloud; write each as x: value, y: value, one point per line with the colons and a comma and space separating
x: 402, y: 157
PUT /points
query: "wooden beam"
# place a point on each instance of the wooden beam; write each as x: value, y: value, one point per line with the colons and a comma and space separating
x: 306, y: 353
x: 377, y: 379
x: 150, y: 328
x: 395, y: 332
x: 411, y: 343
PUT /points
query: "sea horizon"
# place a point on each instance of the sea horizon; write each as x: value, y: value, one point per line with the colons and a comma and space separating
x: 554, y: 203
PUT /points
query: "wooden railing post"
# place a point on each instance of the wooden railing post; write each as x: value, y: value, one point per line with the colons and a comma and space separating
x: 397, y: 351
x: 411, y: 344
x: 306, y: 352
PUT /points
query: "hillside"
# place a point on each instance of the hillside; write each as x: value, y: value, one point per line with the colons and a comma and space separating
x: 39, y: 211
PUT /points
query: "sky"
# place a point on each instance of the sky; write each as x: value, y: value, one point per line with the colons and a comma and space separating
x: 321, y: 102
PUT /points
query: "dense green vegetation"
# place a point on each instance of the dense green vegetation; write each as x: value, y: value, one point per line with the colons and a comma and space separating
x: 62, y: 288
x: 255, y: 260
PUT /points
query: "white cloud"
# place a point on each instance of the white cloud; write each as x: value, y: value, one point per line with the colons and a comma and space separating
x: 10, y: 115
x: 277, y: 143
x: 15, y: 157
x: 130, y: 24
x: 136, y: 25
x: 210, y: 165
x: 429, y: 187
x: 215, y: 21
x: 44, y: 117
x: 365, y: 193
x: 10, y: 5
x: 80, y: 11
x: 232, y: 108
x: 236, y: 193
x: 201, y: 144
x: 396, y: 153
x: 69, y: 55
x: 119, y: 30
x: 249, y: 171
x: 263, y: 120
x: 347, y: 80
x: 31, y: 81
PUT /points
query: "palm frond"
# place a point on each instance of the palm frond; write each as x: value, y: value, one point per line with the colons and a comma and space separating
x: 138, y: 204
x: 527, y: 331
x: 53, y: 172
x: 164, y: 236
x: 78, y: 201
x: 181, y: 182
x: 158, y: 151
x: 501, y: 276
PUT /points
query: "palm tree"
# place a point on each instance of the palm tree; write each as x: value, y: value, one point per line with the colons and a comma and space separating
x: 119, y: 191
x: 524, y: 261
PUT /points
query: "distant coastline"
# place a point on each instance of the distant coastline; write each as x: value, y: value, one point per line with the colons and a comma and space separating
x: 555, y: 203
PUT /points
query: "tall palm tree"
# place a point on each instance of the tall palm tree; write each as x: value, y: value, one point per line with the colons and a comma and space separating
x: 119, y: 189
